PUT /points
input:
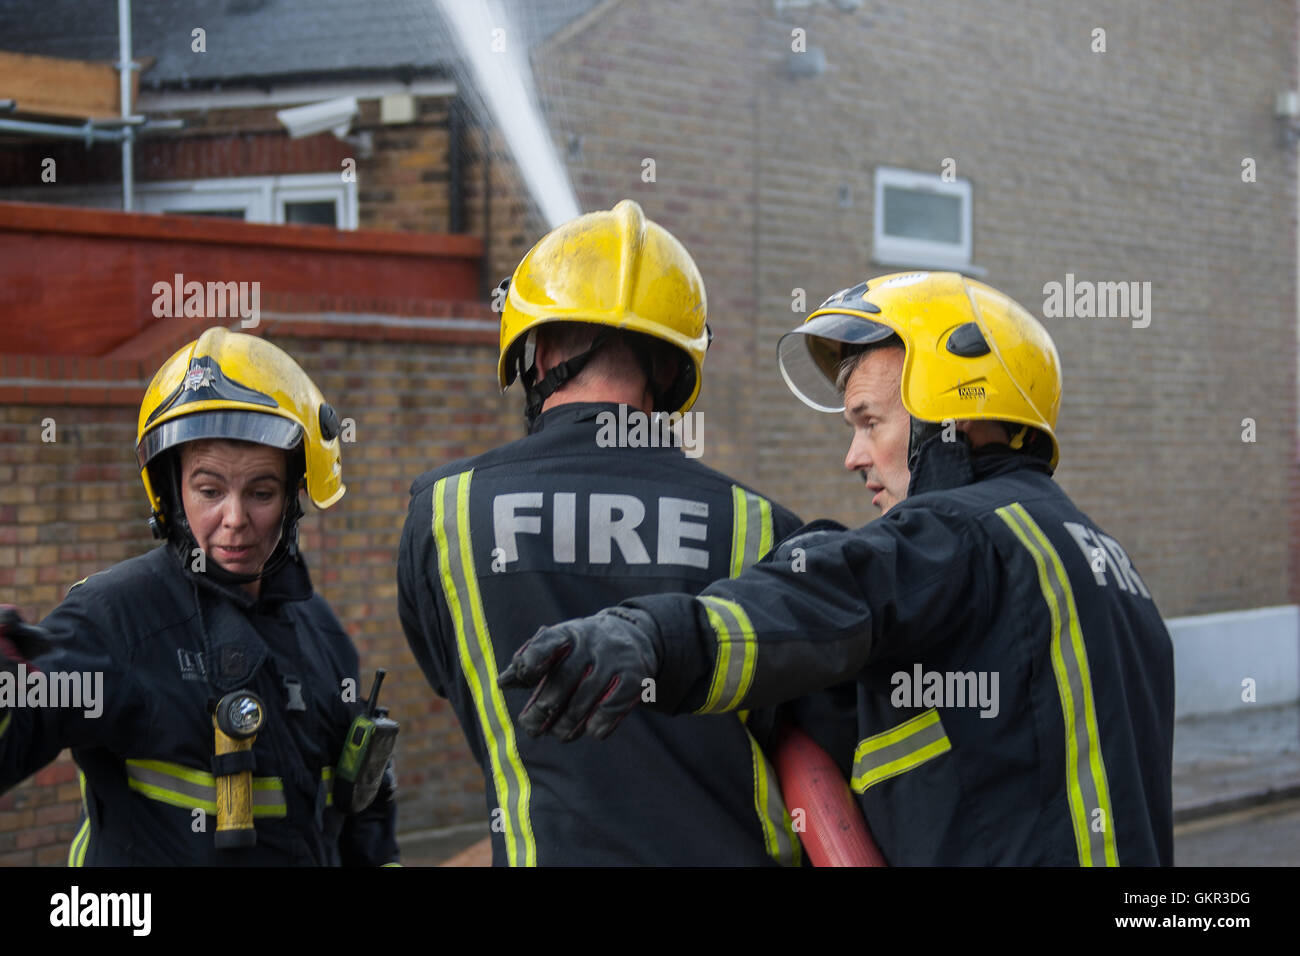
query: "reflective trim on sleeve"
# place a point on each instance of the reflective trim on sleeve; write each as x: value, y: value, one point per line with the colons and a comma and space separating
x: 898, y: 750
x: 327, y: 781
x: 4, y: 724
x: 77, y: 851
x: 778, y: 831
x: 751, y: 529
x: 733, y: 668
x: 451, y: 530
x: 1086, y: 787
x: 191, y: 789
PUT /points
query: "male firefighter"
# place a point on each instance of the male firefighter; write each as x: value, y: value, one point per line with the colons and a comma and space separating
x: 604, y: 325
x: 227, y: 690
x: 1015, y: 680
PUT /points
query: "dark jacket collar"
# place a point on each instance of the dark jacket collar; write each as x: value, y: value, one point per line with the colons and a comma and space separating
x: 571, y: 413
x: 940, y: 464
x: 289, y: 582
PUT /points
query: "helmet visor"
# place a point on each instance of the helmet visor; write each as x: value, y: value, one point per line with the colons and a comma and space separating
x: 810, y: 355
x: 230, y: 425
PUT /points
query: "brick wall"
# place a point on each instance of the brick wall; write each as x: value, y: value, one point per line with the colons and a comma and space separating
x: 74, y: 506
x: 1122, y: 165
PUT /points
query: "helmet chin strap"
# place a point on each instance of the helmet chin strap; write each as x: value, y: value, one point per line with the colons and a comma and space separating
x: 537, y: 392
x: 921, y: 433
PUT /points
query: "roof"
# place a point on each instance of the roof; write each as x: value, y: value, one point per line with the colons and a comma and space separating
x: 251, y: 41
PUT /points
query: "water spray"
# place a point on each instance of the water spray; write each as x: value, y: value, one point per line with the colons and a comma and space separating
x: 494, y: 54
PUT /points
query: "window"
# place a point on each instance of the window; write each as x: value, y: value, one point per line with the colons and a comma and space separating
x: 317, y: 199
x: 922, y: 220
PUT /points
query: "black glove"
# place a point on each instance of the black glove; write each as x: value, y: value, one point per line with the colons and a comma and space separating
x: 20, y: 641
x: 588, y: 673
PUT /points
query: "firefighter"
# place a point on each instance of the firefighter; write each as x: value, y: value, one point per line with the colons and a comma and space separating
x: 604, y: 325
x: 230, y: 431
x: 1015, y: 679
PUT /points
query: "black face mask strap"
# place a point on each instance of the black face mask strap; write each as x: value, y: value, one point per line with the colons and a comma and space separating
x: 538, y: 392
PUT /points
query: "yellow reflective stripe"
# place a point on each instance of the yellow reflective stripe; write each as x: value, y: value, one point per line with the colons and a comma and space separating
x: 268, y: 797
x: 751, y: 529
x: 739, y: 527
x: 4, y: 724
x: 773, y: 817
x: 1087, y: 787
x: 190, y: 789
x: 903, y: 764
x: 327, y: 781
x: 77, y: 851
x: 764, y: 528
x: 389, y: 864
x: 173, y: 798
x: 733, y: 669
x: 889, y: 737
x: 199, y: 778
x: 898, y: 750
x: 451, y: 530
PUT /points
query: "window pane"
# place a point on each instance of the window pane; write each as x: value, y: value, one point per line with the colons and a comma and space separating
x: 911, y: 214
x: 213, y: 213
x: 315, y: 213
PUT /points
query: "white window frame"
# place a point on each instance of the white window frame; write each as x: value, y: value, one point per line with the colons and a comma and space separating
x: 315, y: 187
x: 912, y: 253
x: 262, y: 198
x: 252, y: 194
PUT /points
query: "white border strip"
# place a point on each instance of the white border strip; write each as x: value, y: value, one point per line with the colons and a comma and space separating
x: 288, y: 95
x: 1215, y: 653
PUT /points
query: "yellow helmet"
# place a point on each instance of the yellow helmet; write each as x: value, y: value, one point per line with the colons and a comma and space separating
x: 616, y: 269
x: 239, y: 387
x: 971, y: 351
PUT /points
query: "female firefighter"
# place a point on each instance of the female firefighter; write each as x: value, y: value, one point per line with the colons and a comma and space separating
x: 228, y: 687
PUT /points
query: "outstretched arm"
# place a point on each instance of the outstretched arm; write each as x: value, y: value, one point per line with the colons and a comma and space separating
x: 813, y: 614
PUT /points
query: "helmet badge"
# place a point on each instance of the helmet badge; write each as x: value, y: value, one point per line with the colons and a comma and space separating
x: 196, y: 378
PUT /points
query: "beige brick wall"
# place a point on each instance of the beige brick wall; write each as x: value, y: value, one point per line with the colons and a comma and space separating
x: 1122, y: 165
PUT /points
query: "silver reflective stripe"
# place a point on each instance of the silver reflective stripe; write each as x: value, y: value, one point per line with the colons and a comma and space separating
x: 751, y: 529
x: 1087, y: 790
x: 148, y: 778
x: 191, y: 789
x: 778, y: 833
x: 737, y: 655
x: 267, y: 796
x: 451, y: 531
x: 898, y: 750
